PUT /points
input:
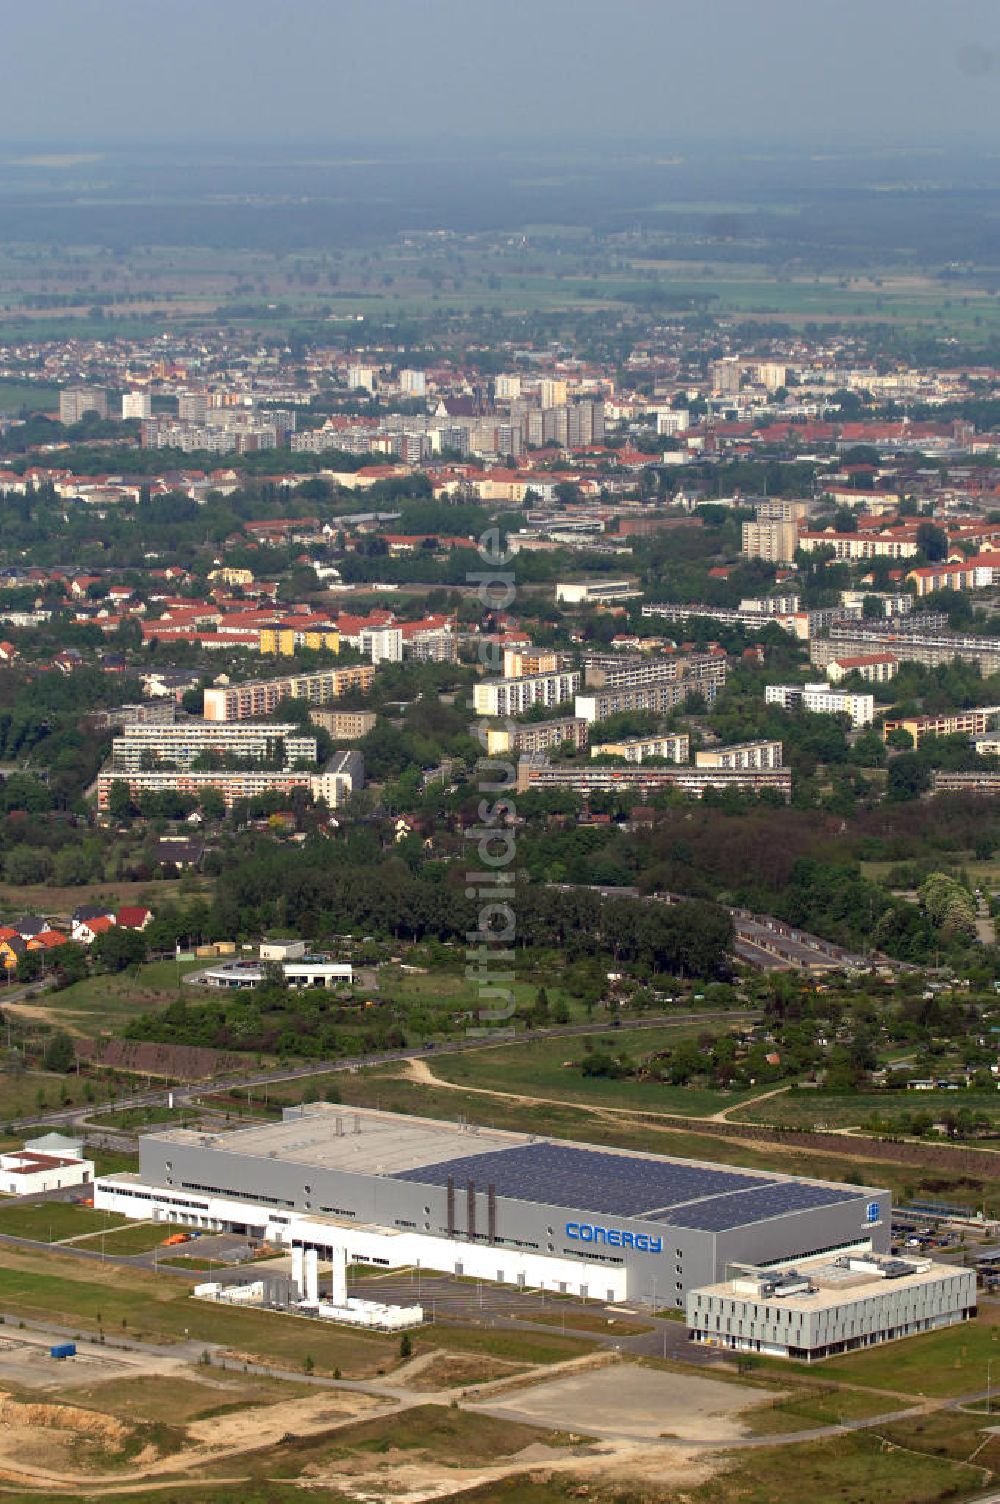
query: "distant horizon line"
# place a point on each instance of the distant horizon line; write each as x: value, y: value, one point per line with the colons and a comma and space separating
x: 572, y: 143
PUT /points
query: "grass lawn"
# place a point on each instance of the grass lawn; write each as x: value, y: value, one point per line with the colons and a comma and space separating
x: 137, y: 1238
x: 113, y: 1161
x: 51, y: 1221
x: 31, y: 395
x: 947, y: 1362
x: 452, y: 991
x: 583, y: 1321
x: 193, y: 1263
x: 816, y: 1405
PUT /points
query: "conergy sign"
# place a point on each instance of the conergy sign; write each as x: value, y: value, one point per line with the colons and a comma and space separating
x: 588, y: 1232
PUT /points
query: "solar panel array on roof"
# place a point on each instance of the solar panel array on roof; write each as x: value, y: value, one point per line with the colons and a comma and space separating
x: 591, y: 1180
x: 772, y: 1200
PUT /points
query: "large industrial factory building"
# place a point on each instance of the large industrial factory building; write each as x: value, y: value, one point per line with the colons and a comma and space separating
x: 384, y: 1189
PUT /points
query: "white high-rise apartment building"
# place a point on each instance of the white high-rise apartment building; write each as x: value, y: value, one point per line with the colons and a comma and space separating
x: 382, y: 644
x: 136, y: 405
x: 413, y: 383
x: 364, y: 377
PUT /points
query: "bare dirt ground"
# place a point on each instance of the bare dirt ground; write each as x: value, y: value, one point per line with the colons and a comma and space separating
x: 46, y: 1460
x: 630, y: 1401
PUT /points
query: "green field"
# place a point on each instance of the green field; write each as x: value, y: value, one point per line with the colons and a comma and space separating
x: 851, y: 1469
x: 815, y: 1405
x: 142, y: 1117
x: 52, y: 1221
x: 948, y: 1362
x: 23, y: 1094
x: 31, y: 395
x: 104, y: 1001
x: 550, y: 1068
x: 820, y: 1109
x: 136, y: 1238
x: 445, y: 990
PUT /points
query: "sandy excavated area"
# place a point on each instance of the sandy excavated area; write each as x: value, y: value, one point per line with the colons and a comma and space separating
x: 403, y: 1480
x: 263, y: 1425
x: 47, y: 1460
x: 628, y: 1401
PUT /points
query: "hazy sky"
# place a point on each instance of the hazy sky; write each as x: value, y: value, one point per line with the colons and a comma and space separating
x: 327, y: 70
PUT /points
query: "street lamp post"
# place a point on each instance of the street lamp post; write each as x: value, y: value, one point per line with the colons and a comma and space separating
x: 989, y: 1386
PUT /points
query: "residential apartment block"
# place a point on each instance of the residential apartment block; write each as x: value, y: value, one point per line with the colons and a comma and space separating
x: 335, y: 783
x: 907, y: 642
x: 984, y: 782
x: 77, y: 401
x: 344, y: 725
x: 740, y: 756
x: 901, y: 544
x: 383, y: 644
x: 505, y: 697
x: 821, y: 699
x: 261, y: 697
x: 773, y: 541
x: 969, y: 723
x: 183, y: 742
x: 285, y: 639
x: 659, y: 698
x: 537, y: 736
x: 674, y: 748
x: 520, y: 663
x: 876, y: 668
x: 704, y: 671
x: 593, y: 778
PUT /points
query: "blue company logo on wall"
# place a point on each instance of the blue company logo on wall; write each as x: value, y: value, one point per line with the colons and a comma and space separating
x: 872, y: 1212
x: 587, y: 1232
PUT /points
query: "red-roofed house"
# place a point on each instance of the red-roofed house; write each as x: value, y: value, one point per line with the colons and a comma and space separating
x: 87, y: 931
x: 134, y: 918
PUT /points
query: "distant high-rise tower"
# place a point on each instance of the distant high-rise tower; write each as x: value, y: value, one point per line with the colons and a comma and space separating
x: 77, y: 401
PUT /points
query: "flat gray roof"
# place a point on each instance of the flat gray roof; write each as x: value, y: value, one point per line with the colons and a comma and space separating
x: 386, y: 1144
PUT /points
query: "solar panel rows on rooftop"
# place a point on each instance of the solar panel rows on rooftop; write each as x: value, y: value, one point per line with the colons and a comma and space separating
x: 612, y: 1184
x: 721, y: 1213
